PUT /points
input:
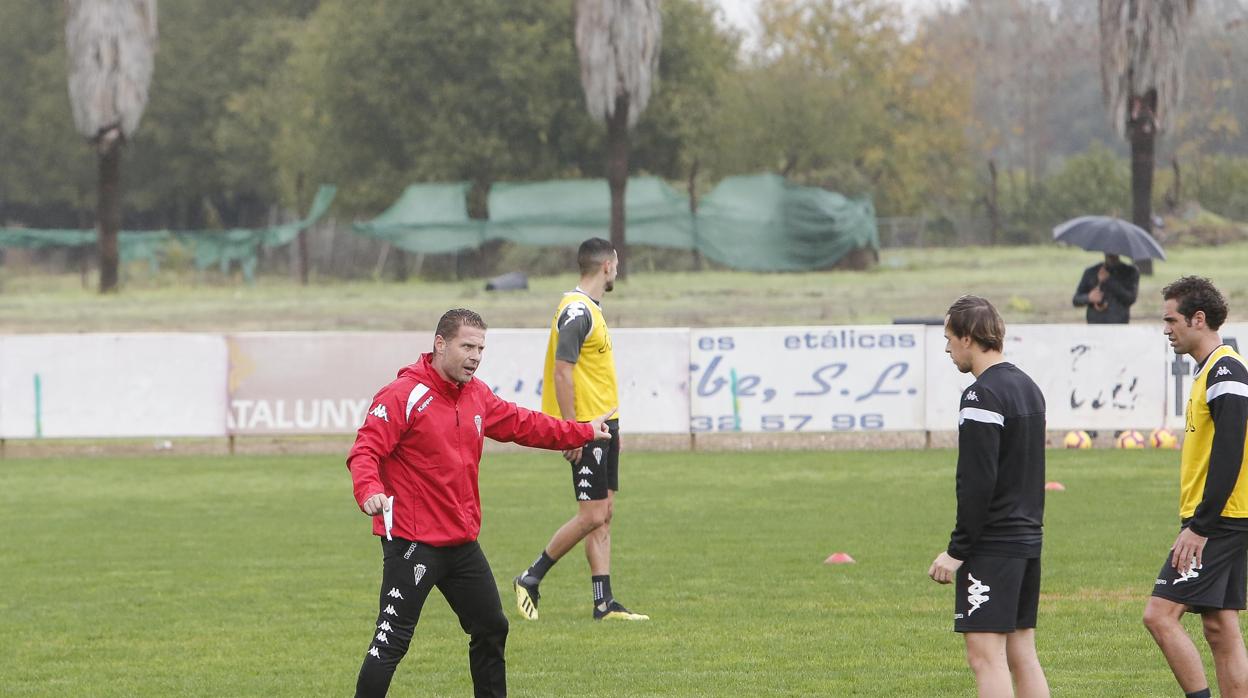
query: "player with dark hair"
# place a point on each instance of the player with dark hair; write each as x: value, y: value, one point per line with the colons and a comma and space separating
x: 994, y: 551
x: 580, y: 381
x: 414, y: 469
x: 1206, y: 571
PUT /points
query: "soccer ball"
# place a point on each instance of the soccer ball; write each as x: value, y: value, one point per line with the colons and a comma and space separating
x: 1130, y: 439
x: 1163, y: 438
x: 1077, y: 439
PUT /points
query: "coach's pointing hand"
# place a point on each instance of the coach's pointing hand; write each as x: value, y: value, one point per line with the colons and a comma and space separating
x: 601, y: 432
x: 375, y: 504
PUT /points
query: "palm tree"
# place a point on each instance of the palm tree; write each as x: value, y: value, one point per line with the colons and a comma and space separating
x: 111, y: 45
x: 1142, y: 48
x: 618, y: 44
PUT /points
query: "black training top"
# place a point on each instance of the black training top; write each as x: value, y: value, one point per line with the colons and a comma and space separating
x: 1000, y: 466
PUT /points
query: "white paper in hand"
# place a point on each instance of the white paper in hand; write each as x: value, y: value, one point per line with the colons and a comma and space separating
x: 387, y: 515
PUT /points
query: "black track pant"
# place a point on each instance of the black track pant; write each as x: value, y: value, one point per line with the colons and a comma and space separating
x: 410, y: 570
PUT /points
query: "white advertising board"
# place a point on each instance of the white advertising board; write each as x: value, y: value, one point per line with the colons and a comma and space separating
x: 321, y: 383
x: 652, y: 367
x: 1092, y: 376
x: 1179, y: 369
x: 112, y: 385
x: 313, y: 382
x: 863, y: 378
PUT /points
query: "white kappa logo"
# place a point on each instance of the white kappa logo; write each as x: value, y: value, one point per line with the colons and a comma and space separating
x: 582, y: 496
x: 381, y: 637
x: 583, y: 483
x: 971, y: 396
x: 977, y: 594
x: 572, y: 312
x: 394, y: 594
x: 1223, y: 371
x: 584, y: 471
x: 1189, y: 575
x: 385, y: 625
x: 373, y: 652
x: 389, y: 610
x: 380, y: 412
x: 419, y: 570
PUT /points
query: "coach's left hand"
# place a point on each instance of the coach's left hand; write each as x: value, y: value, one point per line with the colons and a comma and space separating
x: 1188, y: 548
x: 943, y: 568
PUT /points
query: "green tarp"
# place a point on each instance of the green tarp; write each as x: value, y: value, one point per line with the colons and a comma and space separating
x: 563, y: 212
x: 429, y: 218
x: 763, y: 223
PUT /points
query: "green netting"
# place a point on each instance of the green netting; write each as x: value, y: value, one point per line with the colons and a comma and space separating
x: 565, y: 212
x: 429, y: 218
x: 762, y: 223
x: 283, y: 234
x: 131, y: 245
x: 210, y: 247
x: 757, y: 222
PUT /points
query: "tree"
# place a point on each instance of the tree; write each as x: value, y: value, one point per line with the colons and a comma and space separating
x: 618, y: 44
x: 111, y: 46
x: 837, y: 95
x: 1142, y: 49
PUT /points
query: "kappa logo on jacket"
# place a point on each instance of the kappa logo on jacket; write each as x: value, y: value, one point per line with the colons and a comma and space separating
x: 380, y: 412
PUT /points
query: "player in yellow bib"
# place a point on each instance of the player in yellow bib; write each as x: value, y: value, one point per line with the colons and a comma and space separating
x: 1206, y: 571
x: 579, y: 382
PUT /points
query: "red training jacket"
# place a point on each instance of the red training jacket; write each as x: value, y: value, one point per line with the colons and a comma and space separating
x: 421, y: 442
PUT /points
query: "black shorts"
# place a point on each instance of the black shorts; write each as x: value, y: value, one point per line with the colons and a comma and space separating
x: 1221, y: 581
x: 599, y: 467
x: 996, y: 594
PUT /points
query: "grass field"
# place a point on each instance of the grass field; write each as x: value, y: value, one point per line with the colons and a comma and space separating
x: 256, y: 576
x: 1028, y: 284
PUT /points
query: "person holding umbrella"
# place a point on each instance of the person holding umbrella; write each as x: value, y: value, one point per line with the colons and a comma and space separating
x: 1108, y: 289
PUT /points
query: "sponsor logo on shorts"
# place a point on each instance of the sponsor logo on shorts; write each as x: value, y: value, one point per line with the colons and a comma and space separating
x: 1160, y: 582
x: 958, y: 616
x: 598, y: 455
x: 410, y: 549
x: 976, y: 594
x: 419, y: 570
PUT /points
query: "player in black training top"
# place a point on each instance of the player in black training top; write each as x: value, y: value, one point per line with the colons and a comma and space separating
x: 994, y: 551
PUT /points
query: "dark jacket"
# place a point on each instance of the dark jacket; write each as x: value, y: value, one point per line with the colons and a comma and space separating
x: 1119, y: 289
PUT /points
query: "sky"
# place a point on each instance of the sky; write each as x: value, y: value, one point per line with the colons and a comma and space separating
x: 741, y: 12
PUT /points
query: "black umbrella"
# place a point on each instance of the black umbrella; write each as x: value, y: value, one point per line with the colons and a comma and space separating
x: 1110, y: 235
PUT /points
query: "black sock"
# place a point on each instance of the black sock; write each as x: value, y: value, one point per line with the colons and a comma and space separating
x: 602, y: 588
x: 1202, y: 693
x: 540, y: 566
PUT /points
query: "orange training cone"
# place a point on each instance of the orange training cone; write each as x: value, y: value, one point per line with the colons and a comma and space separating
x: 1055, y: 486
x: 838, y: 559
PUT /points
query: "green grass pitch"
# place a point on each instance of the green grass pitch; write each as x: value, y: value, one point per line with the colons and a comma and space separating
x: 257, y: 576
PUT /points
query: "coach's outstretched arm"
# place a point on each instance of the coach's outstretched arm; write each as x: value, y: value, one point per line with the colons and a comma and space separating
x: 507, y: 421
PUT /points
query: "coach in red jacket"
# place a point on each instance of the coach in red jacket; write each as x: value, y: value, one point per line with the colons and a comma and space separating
x: 415, y: 460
